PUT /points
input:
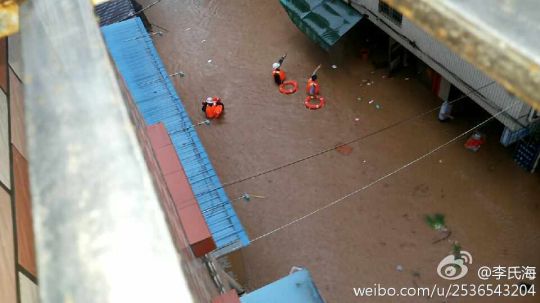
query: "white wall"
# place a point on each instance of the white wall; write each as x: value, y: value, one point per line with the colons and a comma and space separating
x: 447, y: 63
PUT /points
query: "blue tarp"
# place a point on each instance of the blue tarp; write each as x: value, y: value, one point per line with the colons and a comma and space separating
x: 148, y: 82
x: 297, y: 287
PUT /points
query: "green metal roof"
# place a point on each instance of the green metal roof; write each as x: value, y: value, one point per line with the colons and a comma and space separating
x: 323, y: 21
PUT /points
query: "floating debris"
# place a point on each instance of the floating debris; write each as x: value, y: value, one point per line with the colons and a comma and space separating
x: 406, y: 79
x: 295, y: 269
x: 371, y: 101
x: 399, y: 268
x: 187, y: 29
x: 356, y: 119
x: 202, y: 41
x: 359, y: 98
x: 475, y: 141
x: 205, y: 122
x: 209, y: 60
x: 344, y: 149
x: 436, y: 221
x: 441, y: 161
x: 364, y: 161
x: 334, y: 66
x: 247, y: 197
x: 180, y: 73
x: 378, y: 106
x: 364, y: 80
x: 369, y: 83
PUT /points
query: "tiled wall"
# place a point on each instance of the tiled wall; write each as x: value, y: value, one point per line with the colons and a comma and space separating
x: 23, y: 213
x: 8, y: 289
x: 28, y: 290
x: 3, y: 65
x: 16, y: 103
x: 5, y: 166
x: 18, y: 271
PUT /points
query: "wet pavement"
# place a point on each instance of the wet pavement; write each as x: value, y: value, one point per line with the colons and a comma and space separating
x: 226, y: 48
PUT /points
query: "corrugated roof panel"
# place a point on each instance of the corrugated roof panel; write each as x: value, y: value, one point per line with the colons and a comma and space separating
x: 323, y: 21
x: 114, y: 11
x: 149, y: 84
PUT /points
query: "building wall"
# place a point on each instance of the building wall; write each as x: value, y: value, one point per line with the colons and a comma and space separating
x: 457, y: 71
x: 18, y: 270
x: 18, y: 266
x: 200, y: 283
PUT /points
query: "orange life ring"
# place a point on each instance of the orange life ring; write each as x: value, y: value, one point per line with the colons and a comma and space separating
x: 314, y: 106
x: 291, y: 90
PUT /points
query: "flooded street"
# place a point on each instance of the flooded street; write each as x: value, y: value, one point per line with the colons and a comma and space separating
x: 491, y: 206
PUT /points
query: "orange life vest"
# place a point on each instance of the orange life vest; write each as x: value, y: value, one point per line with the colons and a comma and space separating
x: 213, y: 111
x: 280, y: 73
x: 315, y: 86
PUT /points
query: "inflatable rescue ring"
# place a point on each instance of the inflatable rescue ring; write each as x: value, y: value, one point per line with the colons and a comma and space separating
x: 288, y: 87
x: 310, y: 104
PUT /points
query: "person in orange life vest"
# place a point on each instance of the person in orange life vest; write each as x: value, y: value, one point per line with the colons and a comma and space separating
x: 213, y: 107
x: 312, y: 87
x: 278, y: 75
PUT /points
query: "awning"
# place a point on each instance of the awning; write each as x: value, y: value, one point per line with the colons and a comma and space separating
x: 323, y: 21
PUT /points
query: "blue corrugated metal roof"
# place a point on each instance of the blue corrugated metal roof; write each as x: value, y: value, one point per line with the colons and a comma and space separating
x: 148, y: 82
x: 297, y: 287
x: 114, y: 11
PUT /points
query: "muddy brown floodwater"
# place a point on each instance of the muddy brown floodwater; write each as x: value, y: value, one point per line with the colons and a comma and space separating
x: 491, y: 205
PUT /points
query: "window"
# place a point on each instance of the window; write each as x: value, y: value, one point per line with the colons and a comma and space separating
x: 390, y: 13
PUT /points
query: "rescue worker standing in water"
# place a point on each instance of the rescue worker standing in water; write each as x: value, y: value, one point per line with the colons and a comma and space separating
x: 278, y: 75
x: 312, y: 87
x: 213, y: 107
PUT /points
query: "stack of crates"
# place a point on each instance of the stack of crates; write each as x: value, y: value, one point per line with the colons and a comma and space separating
x: 527, y: 154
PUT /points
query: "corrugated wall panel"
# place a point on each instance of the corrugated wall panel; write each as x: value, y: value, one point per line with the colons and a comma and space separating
x: 493, y: 98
